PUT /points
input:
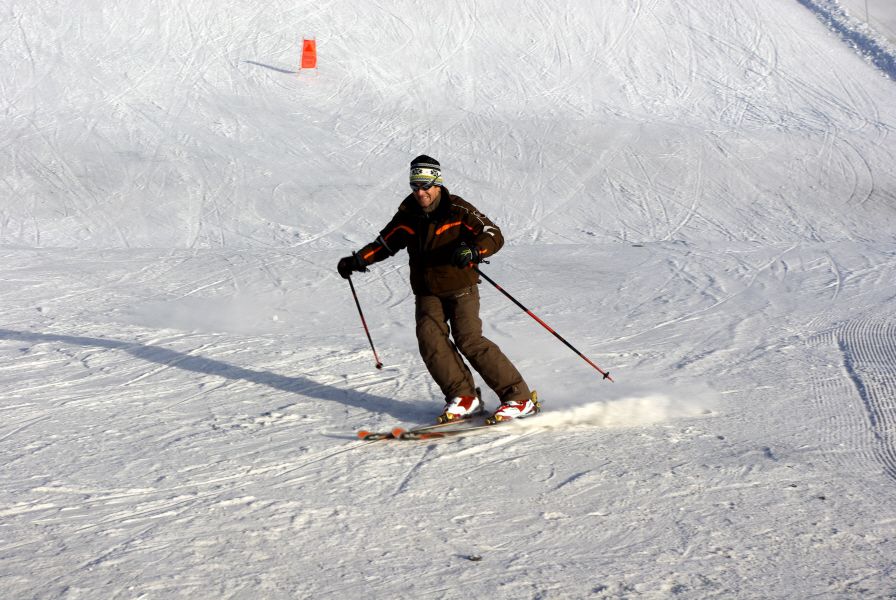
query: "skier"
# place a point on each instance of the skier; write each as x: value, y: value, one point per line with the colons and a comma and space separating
x: 445, y: 236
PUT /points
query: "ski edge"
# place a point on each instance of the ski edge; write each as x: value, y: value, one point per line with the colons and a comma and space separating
x: 400, y: 432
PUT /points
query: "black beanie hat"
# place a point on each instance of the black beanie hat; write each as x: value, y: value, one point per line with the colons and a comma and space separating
x: 426, y: 170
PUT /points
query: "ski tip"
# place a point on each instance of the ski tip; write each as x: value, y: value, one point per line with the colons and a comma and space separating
x: 363, y: 434
x: 396, y: 432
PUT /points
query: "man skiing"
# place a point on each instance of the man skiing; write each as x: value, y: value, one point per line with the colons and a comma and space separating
x: 445, y: 236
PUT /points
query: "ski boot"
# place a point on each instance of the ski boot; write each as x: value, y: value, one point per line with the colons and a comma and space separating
x: 516, y: 409
x: 462, y: 407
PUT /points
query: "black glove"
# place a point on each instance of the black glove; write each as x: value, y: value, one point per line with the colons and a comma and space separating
x: 349, y: 264
x: 464, y: 257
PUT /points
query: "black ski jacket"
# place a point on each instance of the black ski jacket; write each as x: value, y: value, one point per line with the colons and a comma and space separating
x: 431, y: 238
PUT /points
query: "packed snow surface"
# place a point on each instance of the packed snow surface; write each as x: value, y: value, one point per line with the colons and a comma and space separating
x: 699, y: 195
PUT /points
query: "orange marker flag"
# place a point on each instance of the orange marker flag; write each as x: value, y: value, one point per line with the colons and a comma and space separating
x: 309, y: 54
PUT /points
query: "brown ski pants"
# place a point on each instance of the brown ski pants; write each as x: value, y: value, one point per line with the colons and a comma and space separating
x: 457, y: 314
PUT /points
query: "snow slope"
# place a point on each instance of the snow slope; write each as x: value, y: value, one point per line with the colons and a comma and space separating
x: 879, y: 15
x: 697, y: 194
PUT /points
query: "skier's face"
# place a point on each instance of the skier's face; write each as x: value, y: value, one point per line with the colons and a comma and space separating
x: 426, y: 198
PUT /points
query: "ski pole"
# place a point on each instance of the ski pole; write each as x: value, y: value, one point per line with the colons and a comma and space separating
x: 606, y: 374
x: 379, y: 365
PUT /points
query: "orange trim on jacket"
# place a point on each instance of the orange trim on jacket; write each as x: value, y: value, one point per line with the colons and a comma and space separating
x: 368, y: 256
x: 397, y: 228
x: 448, y: 226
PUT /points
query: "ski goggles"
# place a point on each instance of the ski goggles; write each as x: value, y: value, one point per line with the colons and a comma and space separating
x: 422, y: 186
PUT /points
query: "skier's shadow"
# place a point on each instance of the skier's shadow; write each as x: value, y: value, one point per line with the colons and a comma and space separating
x: 209, y: 366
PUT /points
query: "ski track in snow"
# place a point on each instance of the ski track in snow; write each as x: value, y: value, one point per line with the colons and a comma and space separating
x: 869, y: 357
x: 871, y: 45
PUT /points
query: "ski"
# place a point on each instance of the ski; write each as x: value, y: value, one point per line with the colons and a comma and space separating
x: 442, y: 429
x: 402, y: 433
x: 464, y: 428
x: 397, y: 432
